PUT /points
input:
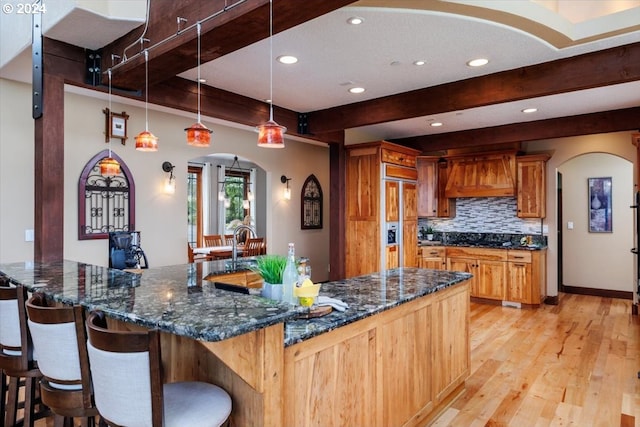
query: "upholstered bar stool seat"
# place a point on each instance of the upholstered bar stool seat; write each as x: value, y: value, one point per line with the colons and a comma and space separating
x: 127, y: 380
x: 17, y: 360
x: 59, y: 338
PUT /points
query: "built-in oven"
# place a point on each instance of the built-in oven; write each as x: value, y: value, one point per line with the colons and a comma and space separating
x: 392, y: 233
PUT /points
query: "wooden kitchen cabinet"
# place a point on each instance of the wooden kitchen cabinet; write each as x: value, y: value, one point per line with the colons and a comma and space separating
x: 409, y: 224
x: 483, y: 175
x: 366, y: 165
x: 527, y: 277
x: 432, y: 178
x: 488, y: 266
x: 392, y: 256
x: 433, y: 257
x: 531, y: 178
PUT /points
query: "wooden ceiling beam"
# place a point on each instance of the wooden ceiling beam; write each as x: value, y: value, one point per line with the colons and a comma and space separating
x: 585, y: 124
x: 606, y: 67
x: 171, y: 53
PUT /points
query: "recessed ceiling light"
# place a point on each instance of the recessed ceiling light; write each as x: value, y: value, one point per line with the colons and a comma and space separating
x: 355, y: 20
x: 529, y: 110
x: 435, y: 124
x: 478, y: 62
x: 419, y: 62
x: 357, y: 90
x: 287, y: 59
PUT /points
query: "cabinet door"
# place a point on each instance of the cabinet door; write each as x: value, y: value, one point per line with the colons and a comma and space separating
x: 363, y: 184
x: 433, y: 257
x: 519, y: 284
x: 531, y: 195
x: 427, y: 187
x: 492, y: 279
x: 392, y: 256
x: 409, y: 243
x: 465, y: 265
x: 392, y: 200
x: 445, y: 207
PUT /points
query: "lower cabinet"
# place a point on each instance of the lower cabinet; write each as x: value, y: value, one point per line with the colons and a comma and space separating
x: 433, y: 257
x: 502, y: 274
x: 393, y: 256
x: 396, y: 368
x: 488, y: 267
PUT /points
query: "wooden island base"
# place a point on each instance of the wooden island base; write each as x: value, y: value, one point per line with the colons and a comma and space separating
x: 400, y: 367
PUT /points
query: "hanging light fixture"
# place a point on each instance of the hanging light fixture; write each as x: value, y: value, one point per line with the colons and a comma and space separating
x: 198, y: 134
x: 146, y: 141
x: 271, y: 134
x: 109, y: 166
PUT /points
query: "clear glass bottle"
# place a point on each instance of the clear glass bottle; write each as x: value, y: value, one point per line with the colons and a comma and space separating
x: 290, y: 276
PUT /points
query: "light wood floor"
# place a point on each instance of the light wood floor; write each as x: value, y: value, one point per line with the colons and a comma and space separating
x: 575, y: 364
x: 571, y: 364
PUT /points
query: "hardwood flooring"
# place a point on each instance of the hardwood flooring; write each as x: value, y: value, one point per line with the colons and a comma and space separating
x: 573, y: 364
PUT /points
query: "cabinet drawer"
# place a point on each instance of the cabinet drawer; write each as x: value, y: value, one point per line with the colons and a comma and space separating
x: 402, y: 159
x: 431, y: 252
x: 477, y: 253
x: 394, y: 171
x: 519, y: 256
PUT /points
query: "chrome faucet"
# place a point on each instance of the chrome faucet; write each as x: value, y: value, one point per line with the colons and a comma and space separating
x: 234, y: 244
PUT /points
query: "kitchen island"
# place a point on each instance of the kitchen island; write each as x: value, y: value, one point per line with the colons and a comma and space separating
x: 398, y: 354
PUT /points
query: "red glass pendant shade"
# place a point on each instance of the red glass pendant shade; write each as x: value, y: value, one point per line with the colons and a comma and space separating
x: 109, y: 167
x: 146, y: 141
x: 271, y: 135
x: 198, y: 135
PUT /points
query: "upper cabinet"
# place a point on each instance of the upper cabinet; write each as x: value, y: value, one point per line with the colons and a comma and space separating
x: 487, y: 175
x: 432, y: 178
x: 531, y: 194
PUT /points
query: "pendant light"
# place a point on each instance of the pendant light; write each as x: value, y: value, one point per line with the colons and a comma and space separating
x: 146, y: 141
x: 271, y: 134
x: 198, y: 134
x: 109, y: 166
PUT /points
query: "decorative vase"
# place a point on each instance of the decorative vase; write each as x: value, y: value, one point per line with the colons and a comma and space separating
x: 595, y: 202
x: 429, y: 236
x: 272, y: 291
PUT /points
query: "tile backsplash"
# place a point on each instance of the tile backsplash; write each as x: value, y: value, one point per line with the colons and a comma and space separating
x: 485, y: 215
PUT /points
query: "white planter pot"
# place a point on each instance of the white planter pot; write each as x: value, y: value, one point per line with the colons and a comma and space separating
x: 272, y: 291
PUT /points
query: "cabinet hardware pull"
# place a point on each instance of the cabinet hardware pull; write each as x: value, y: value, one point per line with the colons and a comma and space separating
x: 519, y: 265
x: 518, y: 257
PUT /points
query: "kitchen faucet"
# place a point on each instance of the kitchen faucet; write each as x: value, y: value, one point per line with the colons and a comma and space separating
x: 234, y: 243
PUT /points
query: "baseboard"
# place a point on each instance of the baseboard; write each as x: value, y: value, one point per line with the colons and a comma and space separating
x: 606, y: 293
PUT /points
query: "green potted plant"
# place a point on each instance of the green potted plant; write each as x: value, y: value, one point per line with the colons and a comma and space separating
x: 429, y: 231
x: 270, y: 268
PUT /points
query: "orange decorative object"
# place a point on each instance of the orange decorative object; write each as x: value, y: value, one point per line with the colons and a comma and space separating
x: 146, y: 141
x: 109, y: 166
x: 198, y: 135
x: 271, y: 135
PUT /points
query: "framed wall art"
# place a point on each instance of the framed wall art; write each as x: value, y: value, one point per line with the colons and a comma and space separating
x: 600, y: 208
x: 311, y: 209
x: 116, y: 125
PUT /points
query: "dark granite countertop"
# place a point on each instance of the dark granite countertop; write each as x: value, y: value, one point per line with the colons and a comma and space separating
x: 176, y: 299
x: 487, y: 240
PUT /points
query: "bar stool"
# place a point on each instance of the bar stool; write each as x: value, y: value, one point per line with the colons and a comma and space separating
x: 127, y: 381
x: 16, y: 358
x: 60, y: 340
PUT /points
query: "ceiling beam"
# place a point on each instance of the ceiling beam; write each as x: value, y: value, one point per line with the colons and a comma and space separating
x: 172, y: 52
x: 606, y: 67
x: 585, y: 124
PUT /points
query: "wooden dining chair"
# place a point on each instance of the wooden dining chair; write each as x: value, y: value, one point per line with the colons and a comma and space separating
x: 60, y: 341
x: 228, y: 239
x: 127, y: 380
x: 254, y: 246
x: 193, y: 257
x: 17, y: 361
x: 213, y: 240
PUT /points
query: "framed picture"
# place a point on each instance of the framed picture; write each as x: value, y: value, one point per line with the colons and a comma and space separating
x: 311, y: 209
x: 116, y: 125
x: 600, y: 208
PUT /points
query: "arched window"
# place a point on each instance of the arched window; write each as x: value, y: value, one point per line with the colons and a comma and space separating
x: 105, y: 203
x: 311, y: 209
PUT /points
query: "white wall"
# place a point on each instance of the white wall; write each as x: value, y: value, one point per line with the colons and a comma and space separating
x: 564, y: 149
x: 161, y: 218
x: 597, y: 260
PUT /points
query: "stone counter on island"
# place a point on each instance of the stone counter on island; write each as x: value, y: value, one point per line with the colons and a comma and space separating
x: 406, y: 331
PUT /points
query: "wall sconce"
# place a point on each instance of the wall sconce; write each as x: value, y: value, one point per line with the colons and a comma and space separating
x: 170, y: 184
x: 287, y: 191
